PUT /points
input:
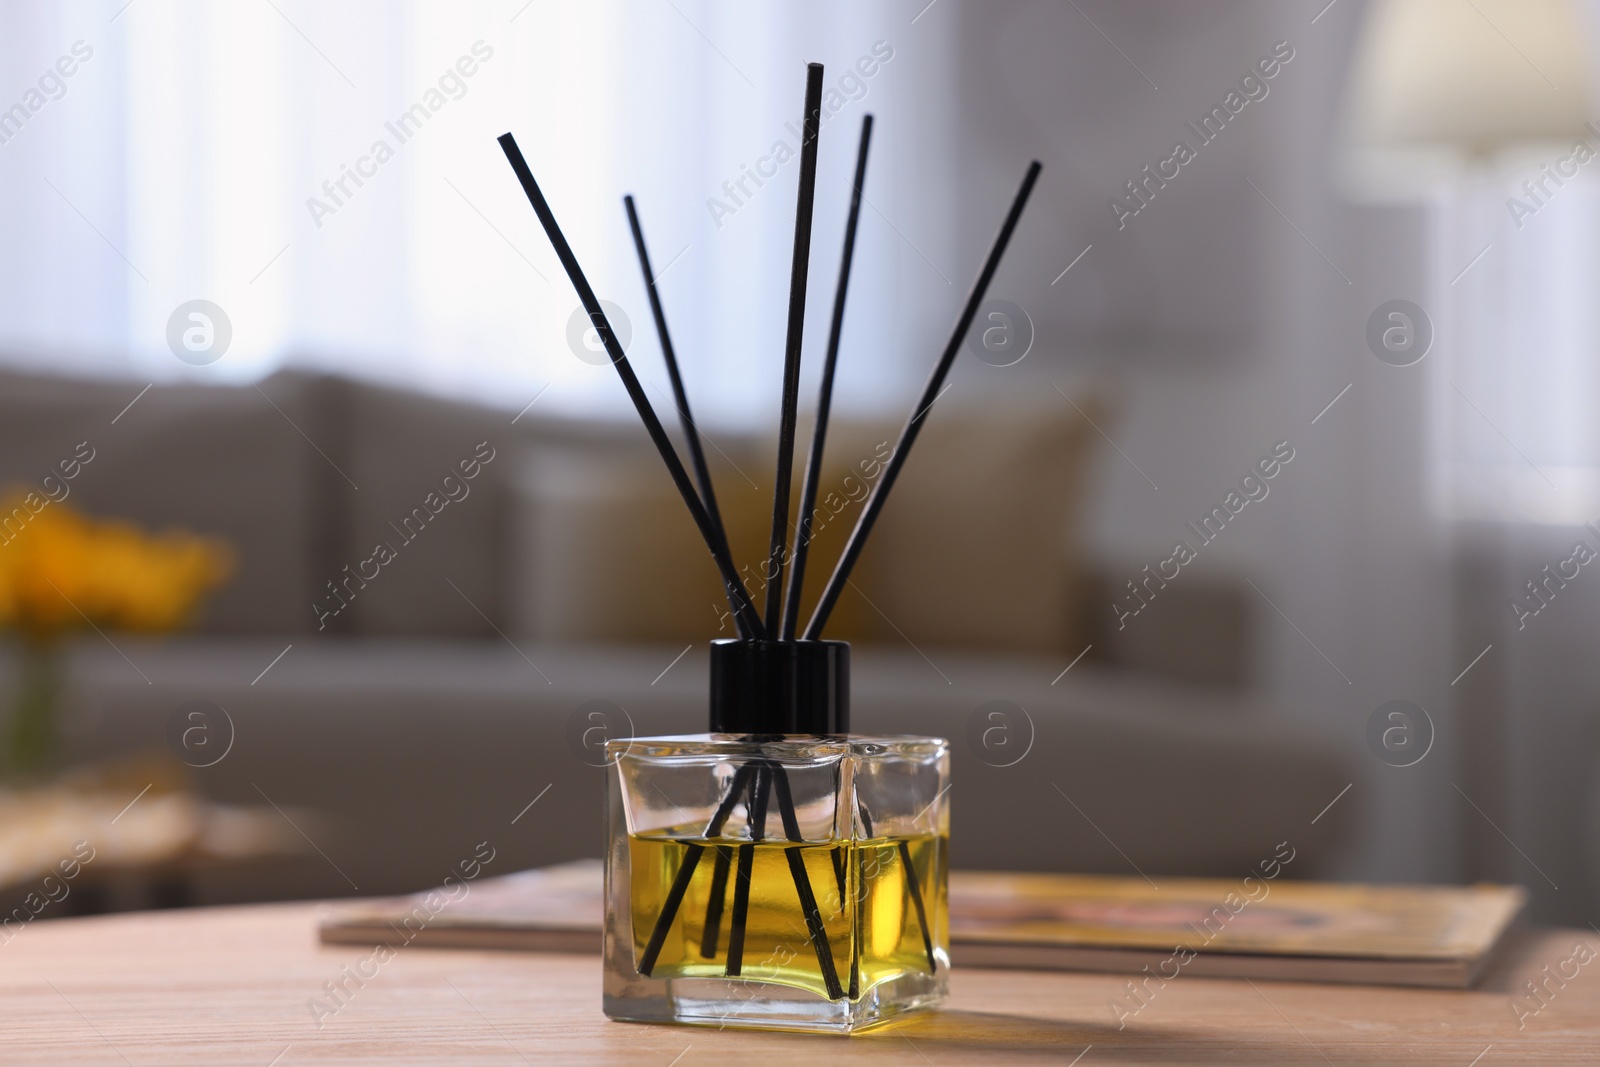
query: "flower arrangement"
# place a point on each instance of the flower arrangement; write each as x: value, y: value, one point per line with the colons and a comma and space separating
x: 62, y: 571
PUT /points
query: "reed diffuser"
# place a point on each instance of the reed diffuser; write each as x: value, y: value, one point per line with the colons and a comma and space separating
x: 778, y: 871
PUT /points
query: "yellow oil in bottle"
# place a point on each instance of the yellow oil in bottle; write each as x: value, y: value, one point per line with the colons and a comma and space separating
x: 864, y: 908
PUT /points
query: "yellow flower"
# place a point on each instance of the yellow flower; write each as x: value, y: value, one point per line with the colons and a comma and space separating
x: 61, y: 570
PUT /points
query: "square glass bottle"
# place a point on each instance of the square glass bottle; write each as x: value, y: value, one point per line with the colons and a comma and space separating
x: 792, y: 880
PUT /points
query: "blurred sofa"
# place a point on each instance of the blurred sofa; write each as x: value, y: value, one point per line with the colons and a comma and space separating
x: 537, y: 565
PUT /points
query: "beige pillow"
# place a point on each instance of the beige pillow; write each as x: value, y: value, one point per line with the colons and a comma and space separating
x: 977, y: 546
x: 604, y: 550
x: 974, y: 548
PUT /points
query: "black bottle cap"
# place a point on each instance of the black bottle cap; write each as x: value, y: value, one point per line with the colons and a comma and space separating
x: 780, y: 687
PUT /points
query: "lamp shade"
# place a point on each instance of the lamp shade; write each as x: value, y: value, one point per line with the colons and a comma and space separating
x: 1438, y: 83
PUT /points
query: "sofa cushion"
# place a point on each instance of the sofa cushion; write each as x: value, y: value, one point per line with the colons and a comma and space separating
x: 974, y: 548
x: 977, y: 546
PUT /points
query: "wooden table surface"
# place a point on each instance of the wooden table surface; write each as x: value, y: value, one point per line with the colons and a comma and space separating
x: 233, y: 986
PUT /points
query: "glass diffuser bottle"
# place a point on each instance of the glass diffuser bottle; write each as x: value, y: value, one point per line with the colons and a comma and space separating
x: 778, y: 871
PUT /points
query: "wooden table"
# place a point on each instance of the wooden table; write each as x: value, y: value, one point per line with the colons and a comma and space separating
x: 232, y: 986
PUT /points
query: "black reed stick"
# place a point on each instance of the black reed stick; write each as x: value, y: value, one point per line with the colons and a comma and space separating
x: 912, y: 886
x: 819, y: 432
x: 669, y: 908
x: 738, y: 597
x: 747, y: 855
x: 915, y: 890
x: 712, y: 930
x: 802, y: 882
x: 680, y: 396
x: 791, y: 346
x: 931, y: 393
x: 691, y: 860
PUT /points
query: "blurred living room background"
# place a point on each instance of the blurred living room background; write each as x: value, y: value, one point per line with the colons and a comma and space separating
x: 271, y: 303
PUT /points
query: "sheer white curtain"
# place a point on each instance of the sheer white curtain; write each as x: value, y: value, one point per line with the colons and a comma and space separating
x: 328, y: 175
x: 1515, y: 262
x: 1514, y: 387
